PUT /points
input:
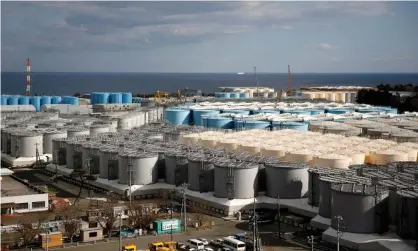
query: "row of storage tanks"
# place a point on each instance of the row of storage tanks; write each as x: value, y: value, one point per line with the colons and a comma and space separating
x: 372, y: 193
x: 245, y: 92
x: 110, y: 98
x: 37, y: 101
x: 312, y: 148
x: 332, y: 96
x: 370, y: 198
x: 23, y: 137
x: 223, y: 116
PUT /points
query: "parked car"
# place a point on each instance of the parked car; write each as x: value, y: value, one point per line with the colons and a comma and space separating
x: 216, y: 242
x: 205, y: 241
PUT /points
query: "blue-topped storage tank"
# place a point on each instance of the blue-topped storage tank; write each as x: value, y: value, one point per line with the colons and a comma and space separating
x: 244, y: 112
x: 338, y: 111
x: 36, y: 102
x: 300, y: 112
x: 390, y: 110
x: 367, y: 110
x: 56, y: 100
x: 218, y: 122
x: 244, y: 95
x: 115, y: 98
x: 269, y: 111
x: 102, y: 98
x: 45, y: 100
x: 234, y: 95
x: 316, y: 112
x: 224, y: 95
x: 70, y: 100
x: 298, y: 126
x: 127, y: 97
x: 3, y: 100
x: 24, y: 100
x: 13, y: 100
x: 93, y: 98
x: 197, y: 115
x: 177, y: 116
x: 251, y: 124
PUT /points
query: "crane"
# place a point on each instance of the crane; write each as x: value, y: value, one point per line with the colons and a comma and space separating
x: 158, y: 95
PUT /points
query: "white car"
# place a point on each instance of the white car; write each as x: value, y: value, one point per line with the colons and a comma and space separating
x: 204, y: 241
x: 216, y: 242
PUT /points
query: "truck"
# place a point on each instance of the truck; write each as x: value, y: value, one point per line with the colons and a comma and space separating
x: 129, y: 247
x: 50, y: 240
x: 163, y: 246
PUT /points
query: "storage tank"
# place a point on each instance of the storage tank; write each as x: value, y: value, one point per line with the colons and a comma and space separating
x: 298, y: 126
x: 115, y: 98
x: 59, y: 151
x: 314, y: 175
x: 77, y: 131
x: 45, y: 100
x: 383, y: 157
x: 14, y: 143
x: 49, y: 136
x: 36, y: 102
x: 3, y: 100
x: 109, y: 162
x: 96, y: 129
x: 286, y: 180
x: 24, y: 100
x: 28, y: 142
x: 70, y: 100
x: 56, y: 100
x: 126, y: 97
x: 394, y: 185
x: 218, y: 122
x: 251, y: 124
x: 73, y: 154
x: 197, y: 115
x: 367, y: 212
x: 244, y: 95
x: 234, y: 95
x: 325, y: 191
x: 18, y: 108
x: 144, y: 168
x: 235, y: 180
x: 332, y: 161
x: 177, y: 116
x: 176, y: 168
x: 407, y: 204
x: 13, y: 100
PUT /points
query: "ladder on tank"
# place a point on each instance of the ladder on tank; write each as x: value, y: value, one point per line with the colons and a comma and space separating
x: 129, y: 170
x: 202, y: 177
x: 111, y: 174
x: 177, y: 172
x: 381, y: 212
x: 230, y: 183
x: 403, y: 218
x: 17, y: 147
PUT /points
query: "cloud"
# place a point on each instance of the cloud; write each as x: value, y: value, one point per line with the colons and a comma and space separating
x: 325, y: 46
x: 391, y: 59
x: 335, y: 59
x: 116, y: 26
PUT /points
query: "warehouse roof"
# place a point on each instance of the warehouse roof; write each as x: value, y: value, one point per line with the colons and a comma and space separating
x: 12, y: 187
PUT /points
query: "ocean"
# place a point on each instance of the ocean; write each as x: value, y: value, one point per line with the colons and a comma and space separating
x: 147, y: 83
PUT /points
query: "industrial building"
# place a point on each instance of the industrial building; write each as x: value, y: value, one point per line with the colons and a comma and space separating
x: 17, y: 196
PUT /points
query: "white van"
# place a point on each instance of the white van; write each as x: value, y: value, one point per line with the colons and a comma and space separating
x: 194, y: 243
x: 233, y: 244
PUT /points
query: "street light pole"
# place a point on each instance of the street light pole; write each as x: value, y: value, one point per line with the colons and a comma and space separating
x: 120, y: 231
x: 338, y: 218
x: 311, y: 241
x: 46, y: 241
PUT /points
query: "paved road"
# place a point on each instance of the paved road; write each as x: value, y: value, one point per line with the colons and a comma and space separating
x: 223, y: 228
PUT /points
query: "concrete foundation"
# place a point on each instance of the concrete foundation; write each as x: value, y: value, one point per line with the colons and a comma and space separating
x: 22, y: 161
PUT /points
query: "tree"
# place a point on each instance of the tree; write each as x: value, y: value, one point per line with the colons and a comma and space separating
x: 28, y: 230
x: 200, y: 214
x: 109, y: 217
x: 84, y: 176
x: 140, y: 215
x: 71, y: 223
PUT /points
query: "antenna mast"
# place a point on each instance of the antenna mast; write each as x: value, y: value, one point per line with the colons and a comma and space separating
x: 28, y: 77
x: 289, y: 80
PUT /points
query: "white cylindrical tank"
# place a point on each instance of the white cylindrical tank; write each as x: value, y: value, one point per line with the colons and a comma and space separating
x: 383, y: 157
x: 28, y: 143
x: 50, y: 135
x: 286, y: 180
x: 331, y: 160
x: 59, y: 151
x: 96, y: 129
x: 109, y: 164
x: 176, y: 167
x: 235, y: 180
x: 77, y: 131
x: 144, y: 168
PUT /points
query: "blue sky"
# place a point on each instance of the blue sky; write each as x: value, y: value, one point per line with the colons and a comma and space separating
x: 210, y: 36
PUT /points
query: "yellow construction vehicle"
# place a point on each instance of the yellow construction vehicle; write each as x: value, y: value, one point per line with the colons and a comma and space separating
x: 162, y: 246
x: 159, y: 95
x: 129, y: 247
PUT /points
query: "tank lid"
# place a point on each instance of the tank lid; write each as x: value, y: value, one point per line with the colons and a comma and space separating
x: 411, y: 194
x: 287, y: 165
x: 345, y: 179
x: 396, y: 184
x: 77, y: 129
x: 229, y: 163
x: 179, y: 154
x: 331, y: 171
x: 358, y: 189
x: 196, y: 157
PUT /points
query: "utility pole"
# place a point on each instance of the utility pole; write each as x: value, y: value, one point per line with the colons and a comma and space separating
x: 311, y: 241
x: 339, y: 218
x: 184, y: 204
x: 256, y: 80
x: 130, y: 179
x: 120, y: 231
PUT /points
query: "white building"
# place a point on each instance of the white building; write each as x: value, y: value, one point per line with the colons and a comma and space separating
x: 17, y: 197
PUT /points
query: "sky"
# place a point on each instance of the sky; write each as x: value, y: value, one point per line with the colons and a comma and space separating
x: 220, y: 36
